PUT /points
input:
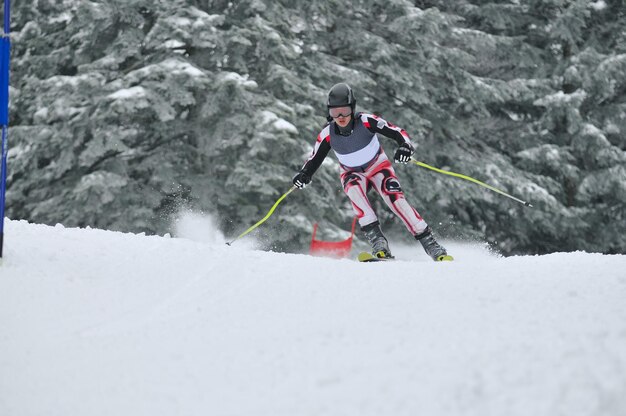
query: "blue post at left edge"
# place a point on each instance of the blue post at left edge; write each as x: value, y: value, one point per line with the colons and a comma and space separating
x: 5, y: 55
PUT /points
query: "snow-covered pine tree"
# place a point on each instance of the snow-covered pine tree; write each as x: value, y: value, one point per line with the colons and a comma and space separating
x: 123, y: 112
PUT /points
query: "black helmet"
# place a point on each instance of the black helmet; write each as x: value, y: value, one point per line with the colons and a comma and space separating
x: 341, y: 95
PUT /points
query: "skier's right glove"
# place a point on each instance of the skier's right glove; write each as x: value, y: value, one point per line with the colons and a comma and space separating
x: 301, y: 180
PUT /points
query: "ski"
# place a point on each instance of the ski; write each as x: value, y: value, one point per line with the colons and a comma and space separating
x: 369, y: 257
x: 445, y: 258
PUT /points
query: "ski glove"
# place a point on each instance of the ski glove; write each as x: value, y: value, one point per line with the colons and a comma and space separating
x: 301, y: 180
x: 403, y: 153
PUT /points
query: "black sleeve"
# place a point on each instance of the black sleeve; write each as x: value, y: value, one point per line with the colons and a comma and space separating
x: 315, y: 161
x: 379, y: 125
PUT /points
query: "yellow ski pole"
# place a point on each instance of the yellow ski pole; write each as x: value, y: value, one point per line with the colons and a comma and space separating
x: 469, y: 178
x: 271, y: 211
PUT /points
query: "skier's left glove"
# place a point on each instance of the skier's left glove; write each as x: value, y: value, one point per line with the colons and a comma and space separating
x: 301, y: 180
x: 404, y: 153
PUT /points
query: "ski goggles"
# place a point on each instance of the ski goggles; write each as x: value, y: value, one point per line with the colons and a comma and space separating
x: 336, y: 112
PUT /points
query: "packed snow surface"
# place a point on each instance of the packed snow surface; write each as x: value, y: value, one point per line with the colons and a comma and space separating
x: 96, y: 322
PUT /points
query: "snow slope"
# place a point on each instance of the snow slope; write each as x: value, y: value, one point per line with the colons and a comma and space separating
x: 102, y: 323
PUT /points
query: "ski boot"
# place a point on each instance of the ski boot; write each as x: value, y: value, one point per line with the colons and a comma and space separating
x: 432, y: 247
x: 380, y: 245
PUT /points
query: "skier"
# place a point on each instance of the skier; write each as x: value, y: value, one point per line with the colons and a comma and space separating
x: 354, y: 139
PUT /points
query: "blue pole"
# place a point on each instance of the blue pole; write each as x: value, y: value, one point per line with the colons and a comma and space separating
x: 5, y: 54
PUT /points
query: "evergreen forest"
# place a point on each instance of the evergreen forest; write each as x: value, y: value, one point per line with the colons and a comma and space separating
x: 124, y: 113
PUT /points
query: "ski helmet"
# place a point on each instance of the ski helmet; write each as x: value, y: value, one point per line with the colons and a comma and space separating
x: 341, y: 95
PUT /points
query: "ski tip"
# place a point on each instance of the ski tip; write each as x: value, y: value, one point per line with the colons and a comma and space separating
x: 445, y: 258
x: 364, y: 256
x: 368, y: 257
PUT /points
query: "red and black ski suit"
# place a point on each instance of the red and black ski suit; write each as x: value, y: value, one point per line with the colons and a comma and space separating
x: 364, y: 164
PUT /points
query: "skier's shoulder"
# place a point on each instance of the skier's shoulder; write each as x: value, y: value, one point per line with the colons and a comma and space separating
x: 364, y: 114
x: 370, y: 119
x: 324, y: 133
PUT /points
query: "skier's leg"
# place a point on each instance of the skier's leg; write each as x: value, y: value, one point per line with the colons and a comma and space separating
x: 355, y: 186
x: 387, y: 185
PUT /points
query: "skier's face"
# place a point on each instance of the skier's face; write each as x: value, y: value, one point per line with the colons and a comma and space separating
x: 342, y: 115
x: 343, y: 121
x: 336, y: 112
